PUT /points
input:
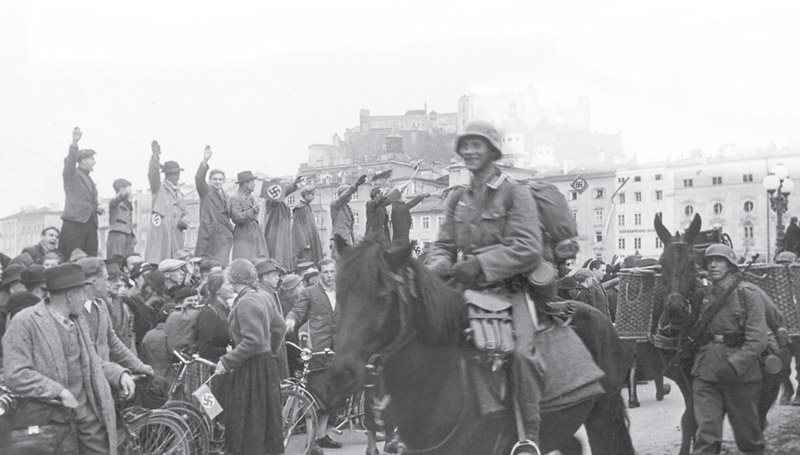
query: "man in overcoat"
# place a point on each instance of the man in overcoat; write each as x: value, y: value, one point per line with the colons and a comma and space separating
x: 49, y: 354
x: 278, y: 219
x: 48, y: 243
x: 306, y: 243
x: 121, y: 237
x: 81, y: 207
x: 727, y: 371
x: 342, y: 217
x: 248, y: 238
x: 317, y: 306
x: 401, y: 217
x: 215, y: 235
x: 168, y: 220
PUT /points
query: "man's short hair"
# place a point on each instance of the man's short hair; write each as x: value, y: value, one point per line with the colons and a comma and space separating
x: 119, y: 184
x: 582, y: 275
x: 326, y: 261
x: 306, y: 190
x: 215, y: 172
x: 50, y: 228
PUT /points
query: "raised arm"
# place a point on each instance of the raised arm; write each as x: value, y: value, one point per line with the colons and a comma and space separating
x: 71, y: 161
x: 345, y: 196
x: 154, y: 171
x: 416, y: 200
x: 202, y: 171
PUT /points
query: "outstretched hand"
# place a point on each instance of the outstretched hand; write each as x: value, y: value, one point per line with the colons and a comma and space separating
x: 155, y: 147
x: 76, y: 135
x: 299, y: 179
x: 361, y: 179
x: 207, y: 154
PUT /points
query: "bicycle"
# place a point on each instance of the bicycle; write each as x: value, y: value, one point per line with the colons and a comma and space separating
x: 208, y: 435
x: 140, y: 431
x: 299, y: 410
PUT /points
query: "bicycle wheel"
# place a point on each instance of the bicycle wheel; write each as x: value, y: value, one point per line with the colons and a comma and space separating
x: 159, y: 432
x: 198, y: 422
x: 299, y: 415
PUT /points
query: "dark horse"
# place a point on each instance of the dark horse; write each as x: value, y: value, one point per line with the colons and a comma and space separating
x: 678, y: 312
x: 391, y: 305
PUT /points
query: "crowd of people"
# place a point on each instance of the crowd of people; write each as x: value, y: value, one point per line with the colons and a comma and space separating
x: 78, y: 328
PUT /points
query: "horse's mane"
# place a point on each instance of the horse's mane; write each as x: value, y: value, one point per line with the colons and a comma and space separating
x: 438, y: 310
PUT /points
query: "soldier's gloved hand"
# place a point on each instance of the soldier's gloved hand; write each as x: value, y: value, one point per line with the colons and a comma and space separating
x: 727, y: 373
x: 467, y: 271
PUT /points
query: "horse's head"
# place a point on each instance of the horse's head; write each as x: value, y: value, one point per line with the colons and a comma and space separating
x: 678, y: 268
x: 369, y: 282
x: 385, y: 301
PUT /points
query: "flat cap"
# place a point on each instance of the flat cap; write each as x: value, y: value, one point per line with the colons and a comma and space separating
x: 168, y: 265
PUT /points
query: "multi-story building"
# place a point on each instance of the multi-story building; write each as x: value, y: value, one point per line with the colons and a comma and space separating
x: 24, y: 228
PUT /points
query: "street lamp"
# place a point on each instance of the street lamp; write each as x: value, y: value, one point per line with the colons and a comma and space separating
x: 778, y: 186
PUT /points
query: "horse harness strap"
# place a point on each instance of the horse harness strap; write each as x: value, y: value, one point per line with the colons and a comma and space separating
x: 375, y: 371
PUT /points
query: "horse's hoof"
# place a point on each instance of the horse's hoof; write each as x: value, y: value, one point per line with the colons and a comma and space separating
x: 665, y: 390
x: 633, y: 404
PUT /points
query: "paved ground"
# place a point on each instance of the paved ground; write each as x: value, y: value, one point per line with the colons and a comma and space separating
x: 655, y: 428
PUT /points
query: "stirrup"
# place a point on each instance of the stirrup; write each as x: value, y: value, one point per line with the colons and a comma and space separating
x: 525, y: 446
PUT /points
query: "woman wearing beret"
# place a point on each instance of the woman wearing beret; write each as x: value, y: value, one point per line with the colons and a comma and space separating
x: 253, y: 423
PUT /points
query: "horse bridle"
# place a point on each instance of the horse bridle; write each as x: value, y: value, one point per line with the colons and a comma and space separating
x: 403, y: 291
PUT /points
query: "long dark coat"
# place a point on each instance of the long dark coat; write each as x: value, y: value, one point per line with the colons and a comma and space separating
x: 34, y: 364
x: 215, y: 235
x: 305, y: 236
x: 248, y: 240
x: 165, y: 239
x: 277, y: 225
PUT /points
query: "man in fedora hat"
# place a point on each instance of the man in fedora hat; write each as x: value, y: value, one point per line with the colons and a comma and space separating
x: 306, y: 243
x: 168, y: 220
x: 215, y: 234
x: 49, y: 355
x: 248, y: 238
x: 81, y: 207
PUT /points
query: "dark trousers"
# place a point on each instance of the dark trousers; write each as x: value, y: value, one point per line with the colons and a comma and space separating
x: 119, y: 244
x: 91, y: 434
x: 78, y: 235
x: 740, y: 402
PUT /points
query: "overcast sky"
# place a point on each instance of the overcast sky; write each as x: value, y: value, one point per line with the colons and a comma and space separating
x: 260, y: 82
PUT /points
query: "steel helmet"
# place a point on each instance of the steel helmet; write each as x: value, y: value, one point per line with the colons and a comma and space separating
x: 786, y: 257
x: 721, y: 250
x: 482, y: 129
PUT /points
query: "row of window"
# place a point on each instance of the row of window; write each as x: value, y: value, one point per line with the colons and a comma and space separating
x: 718, y: 209
x: 637, y: 178
x: 717, y: 180
x: 637, y: 219
x: 637, y: 241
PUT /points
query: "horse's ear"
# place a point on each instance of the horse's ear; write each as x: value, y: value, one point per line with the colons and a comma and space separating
x: 693, y: 229
x: 340, y: 243
x: 663, y: 232
x: 397, y: 253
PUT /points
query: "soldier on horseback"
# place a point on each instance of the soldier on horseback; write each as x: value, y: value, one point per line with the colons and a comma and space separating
x: 726, y: 370
x: 490, y: 241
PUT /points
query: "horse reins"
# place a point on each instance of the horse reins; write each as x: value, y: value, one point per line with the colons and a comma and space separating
x: 403, y: 291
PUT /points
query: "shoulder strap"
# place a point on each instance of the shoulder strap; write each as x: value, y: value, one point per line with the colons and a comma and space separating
x: 713, y: 310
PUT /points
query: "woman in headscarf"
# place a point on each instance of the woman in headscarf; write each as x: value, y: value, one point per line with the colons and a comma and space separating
x: 253, y: 423
x: 211, y: 328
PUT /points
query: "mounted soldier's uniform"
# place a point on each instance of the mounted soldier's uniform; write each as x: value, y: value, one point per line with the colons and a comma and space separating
x: 491, y: 233
x: 726, y: 370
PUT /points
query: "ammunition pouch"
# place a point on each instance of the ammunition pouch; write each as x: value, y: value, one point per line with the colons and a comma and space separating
x: 490, y: 322
x: 729, y: 339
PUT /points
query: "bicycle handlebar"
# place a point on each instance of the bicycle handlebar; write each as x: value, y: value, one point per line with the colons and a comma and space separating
x: 182, y: 358
x: 326, y: 351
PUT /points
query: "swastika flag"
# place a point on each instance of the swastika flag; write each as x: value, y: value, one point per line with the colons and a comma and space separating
x: 273, y: 189
x: 208, y: 401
